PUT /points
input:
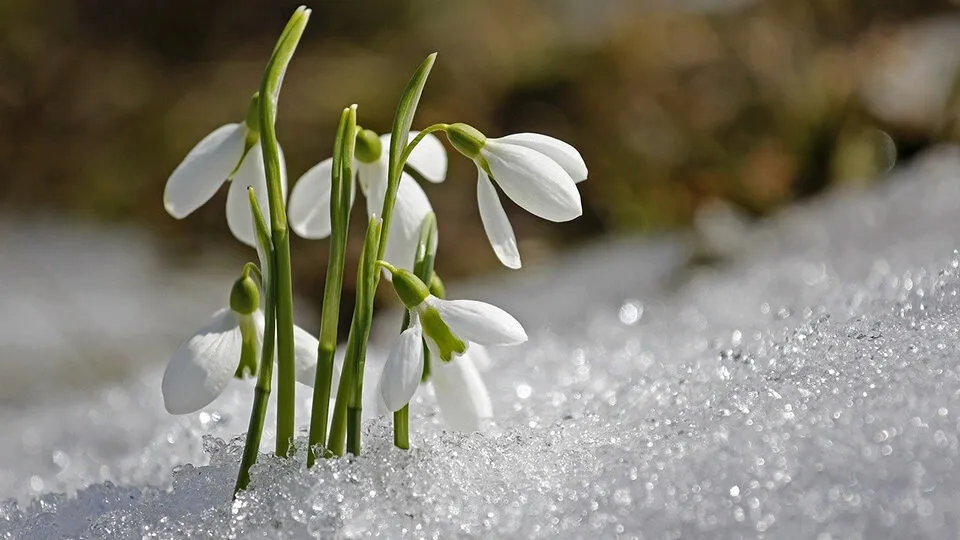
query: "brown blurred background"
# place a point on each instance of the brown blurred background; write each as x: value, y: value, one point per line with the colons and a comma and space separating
x: 674, y: 104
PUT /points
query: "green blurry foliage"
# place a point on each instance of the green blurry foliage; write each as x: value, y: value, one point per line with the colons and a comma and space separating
x: 672, y: 105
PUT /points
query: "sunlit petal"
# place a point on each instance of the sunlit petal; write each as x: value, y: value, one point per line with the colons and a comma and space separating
x: 203, y: 365
x: 479, y: 322
x: 305, y: 356
x: 309, y: 208
x: 403, y: 369
x: 565, y: 155
x: 478, y: 354
x: 533, y: 181
x: 461, y: 394
x: 409, y: 211
x: 495, y: 222
x: 239, y: 215
x: 204, y: 170
x: 429, y: 157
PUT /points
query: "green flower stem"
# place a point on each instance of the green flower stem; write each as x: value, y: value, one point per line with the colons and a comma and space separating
x: 261, y: 394
x: 282, y: 286
x: 351, y: 387
x: 368, y: 285
x: 401, y: 428
x: 339, y: 218
x: 348, y: 408
x: 423, y: 268
x: 420, y: 136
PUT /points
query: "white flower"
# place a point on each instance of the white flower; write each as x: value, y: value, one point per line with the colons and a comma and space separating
x: 204, y: 364
x: 537, y: 172
x: 451, y: 325
x: 404, y: 368
x: 309, y: 208
x: 209, y: 164
x: 461, y: 394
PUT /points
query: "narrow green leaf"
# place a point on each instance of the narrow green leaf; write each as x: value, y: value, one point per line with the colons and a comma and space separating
x: 406, y: 109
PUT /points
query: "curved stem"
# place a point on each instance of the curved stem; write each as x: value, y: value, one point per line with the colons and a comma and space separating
x: 363, y: 313
x: 250, y: 268
x: 420, y: 136
x: 283, y: 282
x: 261, y: 394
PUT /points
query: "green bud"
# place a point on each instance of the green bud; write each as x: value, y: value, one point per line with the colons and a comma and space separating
x: 466, y: 139
x: 411, y: 290
x: 368, y: 147
x: 436, y: 286
x: 253, y: 114
x: 245, y: 296
x: 438, y: 331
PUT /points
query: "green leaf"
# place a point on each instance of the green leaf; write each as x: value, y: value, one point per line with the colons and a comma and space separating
x: 406, y: 109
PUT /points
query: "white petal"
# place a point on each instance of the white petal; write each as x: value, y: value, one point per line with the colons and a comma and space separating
x: 305, y: 356
x: 372, y: 178
x: 204, y: 170
x: 411, y: 208
x: 480, y: 322
x: 478, y: 354
x: 429, y: 157
x: 309, y: 208
x: 203, y: 365
x: 495, y: 222
x: 403, y: 369
x: 461, y: 395
x: 533, y: 181
x: 565, y: 155
x: 251, y: 173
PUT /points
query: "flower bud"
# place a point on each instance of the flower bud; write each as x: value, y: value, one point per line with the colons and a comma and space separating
x: 436, y: 286
x: 410, y: 289
x: 368, y: 147
x: 245, y: 296
x: 466, y: 139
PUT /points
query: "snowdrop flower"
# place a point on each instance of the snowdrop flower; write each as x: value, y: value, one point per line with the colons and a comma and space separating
x: 309, y: 208
x: 231, y: 153
x: 449, y: 326
x: 227, y: 346
x: 461, y: 394
x: 537, y: 172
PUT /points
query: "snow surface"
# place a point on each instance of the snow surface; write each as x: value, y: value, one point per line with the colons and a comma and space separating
x: 807, y: 387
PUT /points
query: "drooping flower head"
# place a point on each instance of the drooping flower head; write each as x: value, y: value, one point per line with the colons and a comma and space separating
x: 450, y: 326
x: 227, y: 346
x: 309, y: 208
x: 231, y: 153
x: 536, y: 171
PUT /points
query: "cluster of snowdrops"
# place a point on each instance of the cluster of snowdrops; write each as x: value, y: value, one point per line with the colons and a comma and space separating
x: 441, y: 341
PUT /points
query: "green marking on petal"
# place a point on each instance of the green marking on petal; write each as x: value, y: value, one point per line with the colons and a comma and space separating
x: 437, y: 330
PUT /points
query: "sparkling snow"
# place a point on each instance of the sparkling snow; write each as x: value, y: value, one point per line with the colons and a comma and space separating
x: 808, y: 386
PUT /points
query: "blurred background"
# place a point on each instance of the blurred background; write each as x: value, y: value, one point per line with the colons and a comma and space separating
x: 683, y: 110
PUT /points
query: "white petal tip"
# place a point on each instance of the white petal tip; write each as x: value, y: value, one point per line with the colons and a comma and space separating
x: 510, y: 260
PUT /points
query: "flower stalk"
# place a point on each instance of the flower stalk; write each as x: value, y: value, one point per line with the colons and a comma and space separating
x: 261, y: 394
x: 282, y: 287
x: 423, y: 269
x: 341, y: 186
x: 348, y: 407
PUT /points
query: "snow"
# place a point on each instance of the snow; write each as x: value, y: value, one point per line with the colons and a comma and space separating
x: 806, y: 387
